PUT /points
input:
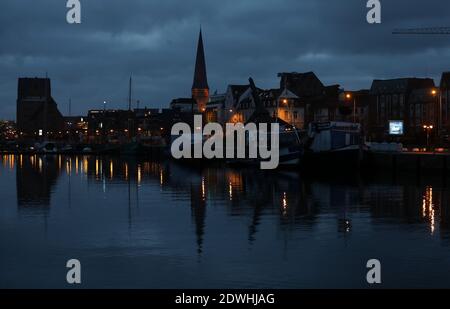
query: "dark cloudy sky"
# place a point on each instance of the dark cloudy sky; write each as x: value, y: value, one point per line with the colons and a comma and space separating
x: 156, y: 41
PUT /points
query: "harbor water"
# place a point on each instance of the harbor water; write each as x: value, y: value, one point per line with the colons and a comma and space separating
x: 134, y: 223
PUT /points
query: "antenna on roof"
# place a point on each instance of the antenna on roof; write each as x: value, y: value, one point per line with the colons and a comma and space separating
x: 129, y: 93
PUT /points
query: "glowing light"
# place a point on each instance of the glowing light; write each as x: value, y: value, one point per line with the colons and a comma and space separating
x: 11, y: 162
x: 111, y: 169
x: 230, y: 191
x: 284, y: 204
x: 67, y: 168
x: 139, y: 174
x: 428, y: 208
x: 85, y: 165
x: 284, y: 200
x: 203, y: 189
x: 126, y: 171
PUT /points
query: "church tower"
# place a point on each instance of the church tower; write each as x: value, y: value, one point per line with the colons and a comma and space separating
x: 200, y: 89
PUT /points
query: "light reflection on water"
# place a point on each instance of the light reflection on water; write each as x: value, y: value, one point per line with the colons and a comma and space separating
x: 137, y: 223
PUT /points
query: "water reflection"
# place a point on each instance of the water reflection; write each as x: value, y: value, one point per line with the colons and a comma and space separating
x: 272, y: 207
x: 248, y: 192
x: 35, y: 179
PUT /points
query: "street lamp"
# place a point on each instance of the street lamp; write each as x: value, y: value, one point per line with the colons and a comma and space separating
x: 348, y: 96
x: 435, y: 92
x: 428, y: 129
x: 285, y: 101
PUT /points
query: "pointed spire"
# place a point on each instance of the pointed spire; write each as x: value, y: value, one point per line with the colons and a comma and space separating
x: 200, y: 79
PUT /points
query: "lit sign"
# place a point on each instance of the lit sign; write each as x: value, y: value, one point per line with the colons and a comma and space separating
x: 396, y: 127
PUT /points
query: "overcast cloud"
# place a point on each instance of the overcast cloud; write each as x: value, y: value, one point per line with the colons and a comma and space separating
x: 156, y: 42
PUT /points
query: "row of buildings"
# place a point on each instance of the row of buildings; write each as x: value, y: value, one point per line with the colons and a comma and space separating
x: 418, y: 104
x: 418, y: 107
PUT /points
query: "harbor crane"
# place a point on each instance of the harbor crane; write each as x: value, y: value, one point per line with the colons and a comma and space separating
x: 427, y: 31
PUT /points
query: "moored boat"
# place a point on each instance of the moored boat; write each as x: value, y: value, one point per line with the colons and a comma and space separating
x: 333, y: 145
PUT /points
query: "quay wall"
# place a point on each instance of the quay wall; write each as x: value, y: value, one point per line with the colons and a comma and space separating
x: 408, y: 161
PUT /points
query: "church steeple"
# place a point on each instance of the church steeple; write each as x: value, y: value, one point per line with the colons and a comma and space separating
x: 200, y: 88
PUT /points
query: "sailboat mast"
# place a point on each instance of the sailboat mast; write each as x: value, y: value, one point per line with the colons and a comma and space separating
x: 129, y: 109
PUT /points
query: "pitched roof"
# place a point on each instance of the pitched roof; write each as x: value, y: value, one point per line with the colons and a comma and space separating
x: 399, y: 85
x: 287, y: 94
x: 301, y: 84
x: 200, y: 78
x: 237, y: 90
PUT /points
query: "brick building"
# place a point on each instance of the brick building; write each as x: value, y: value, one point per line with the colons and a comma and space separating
x: 411, y: 100
x: 37, y: 111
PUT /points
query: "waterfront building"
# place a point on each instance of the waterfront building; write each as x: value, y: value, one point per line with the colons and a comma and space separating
x: 215, y: 109
x: 300, y: 99
x: 75, y: 128
x: 112, y: 125
x: 184, y: 105
x: 7, y: 130
x: 37, y: 111
x: 445, y: 102
x: 313, y: 101
x: 232, y: 95
x: 411, y: 101
x: 155, y: 122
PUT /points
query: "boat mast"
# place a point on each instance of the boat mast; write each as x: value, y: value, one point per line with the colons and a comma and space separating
x: 129, y: 108
x: 129, y: 94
